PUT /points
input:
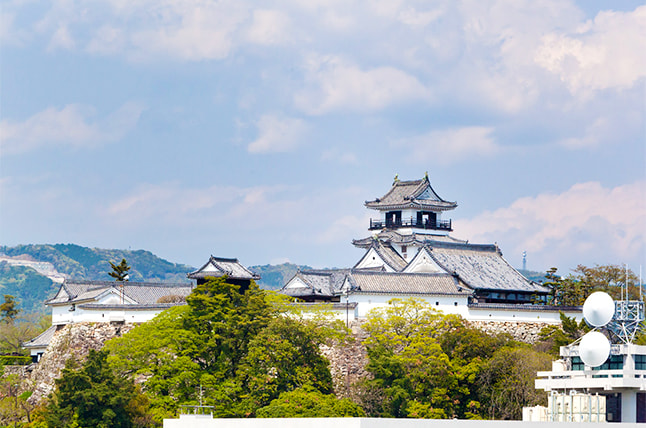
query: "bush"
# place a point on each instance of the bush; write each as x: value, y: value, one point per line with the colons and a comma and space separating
x: 310, y: 403
x: 14, y: 360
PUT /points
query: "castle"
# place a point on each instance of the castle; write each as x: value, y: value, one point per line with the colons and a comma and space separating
x: 411, y: 253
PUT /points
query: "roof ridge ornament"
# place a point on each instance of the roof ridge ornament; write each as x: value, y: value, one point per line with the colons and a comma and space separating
x: 396, y: 180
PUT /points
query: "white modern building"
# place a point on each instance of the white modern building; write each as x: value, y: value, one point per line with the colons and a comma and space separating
x: 621, y: 381
x: 411, y: 253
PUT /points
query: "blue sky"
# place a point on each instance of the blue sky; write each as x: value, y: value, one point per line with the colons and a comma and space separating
x: 257, y: 130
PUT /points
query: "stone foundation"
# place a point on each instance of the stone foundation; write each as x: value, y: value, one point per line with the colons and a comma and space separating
x: 71, y: 341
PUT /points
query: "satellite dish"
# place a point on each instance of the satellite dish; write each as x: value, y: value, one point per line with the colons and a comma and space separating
x: 598, y: 309
x: 594, y: 349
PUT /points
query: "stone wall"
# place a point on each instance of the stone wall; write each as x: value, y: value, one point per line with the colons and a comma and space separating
x: 71, y: 341
x: 348, y: 361
x: 527, y: 332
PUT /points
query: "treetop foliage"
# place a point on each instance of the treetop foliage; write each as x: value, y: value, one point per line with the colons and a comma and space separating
x: 576, y: 287
x: 429, y: 365
x: 236, y: 347
x: 120, y: 271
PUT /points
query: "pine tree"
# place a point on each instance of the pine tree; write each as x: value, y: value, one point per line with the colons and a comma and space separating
x: 120, y: 271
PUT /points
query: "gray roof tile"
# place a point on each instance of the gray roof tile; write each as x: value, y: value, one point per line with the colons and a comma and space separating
x: 220, y: 266
x: 482, y: 267
x: 42, y: 340
x: 142, y: 292
x: 415, y: 193
x: 408, y: 283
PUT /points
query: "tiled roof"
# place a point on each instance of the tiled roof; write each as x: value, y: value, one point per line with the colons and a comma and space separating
x: 330, y: 283
x: 324, y: 283
x: 42, y: 340
x: 394, y: 237
x: 407, y: 283
x: 220, y: 266
x: 482, y: 267
x: 141, y: 292
x: 415, y: 193
x: 388, y: 254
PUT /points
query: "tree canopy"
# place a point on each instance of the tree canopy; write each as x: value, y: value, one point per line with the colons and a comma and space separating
x: 234, y: 346
x: 429, y: 365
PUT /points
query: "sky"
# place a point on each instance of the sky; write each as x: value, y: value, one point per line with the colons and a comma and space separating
x: 257, y: 130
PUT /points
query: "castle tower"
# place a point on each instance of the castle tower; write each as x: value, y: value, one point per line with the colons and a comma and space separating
x: 411, y: 207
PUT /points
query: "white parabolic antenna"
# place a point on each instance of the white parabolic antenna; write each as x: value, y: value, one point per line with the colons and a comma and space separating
x: 594, y: 349
x: 598, y: 309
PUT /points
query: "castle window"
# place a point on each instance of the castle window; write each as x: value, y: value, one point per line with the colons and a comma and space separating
x: 404, y: 248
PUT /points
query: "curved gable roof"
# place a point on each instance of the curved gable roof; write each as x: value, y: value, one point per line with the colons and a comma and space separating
x: 414, y: 193
x: 220, y: 266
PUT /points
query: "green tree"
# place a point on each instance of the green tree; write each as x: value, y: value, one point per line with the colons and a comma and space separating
x: 224, y: 320
x: 14, y: 407
x: 157, y: 351
x: 575, y: 288
x: 507, y: 381
x: 9, y: 309
x: 565, y: 291
x: 120, y: 271
x: 424, y: 363
x: 609, y: 278
x: 284, y: 356
x: 552, y: 337
x: 308, y: 402
x: 92, y: 396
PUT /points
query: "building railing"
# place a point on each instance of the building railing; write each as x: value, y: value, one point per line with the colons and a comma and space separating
x: 426, y: 224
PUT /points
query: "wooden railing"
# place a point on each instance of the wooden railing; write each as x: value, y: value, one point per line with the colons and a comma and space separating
x: 395, y: 224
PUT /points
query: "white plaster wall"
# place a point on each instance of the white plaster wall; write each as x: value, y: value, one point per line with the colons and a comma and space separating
x: 482, y: 314
x: 61, y: 315
x: 373, y: 259
x: 446, y: 304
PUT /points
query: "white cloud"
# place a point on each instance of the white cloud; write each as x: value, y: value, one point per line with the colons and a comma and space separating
x: 70, y: 126
x: 607, y: 52
x: 334, y: 84
x: 586, y: 222
x: 268, y: 27
x: 337, y: 156
x: 277, y: 133
x: 450, y: 145
x: 61, y: 39
x: 107, y: 40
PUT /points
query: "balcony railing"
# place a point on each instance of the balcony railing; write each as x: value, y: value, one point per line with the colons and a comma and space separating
x: 396, y: 224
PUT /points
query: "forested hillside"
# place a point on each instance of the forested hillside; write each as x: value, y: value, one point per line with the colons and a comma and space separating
x: 32, y: 288
x: 75, y: 261
x: 273, y: 277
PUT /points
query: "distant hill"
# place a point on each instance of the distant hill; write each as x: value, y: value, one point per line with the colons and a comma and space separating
x: 31, y: 273
x: 34, y: 281
x: 532, y: 275
x: 273, y: 277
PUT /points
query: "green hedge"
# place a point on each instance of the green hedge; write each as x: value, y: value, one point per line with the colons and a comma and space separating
x: 14, y: 360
